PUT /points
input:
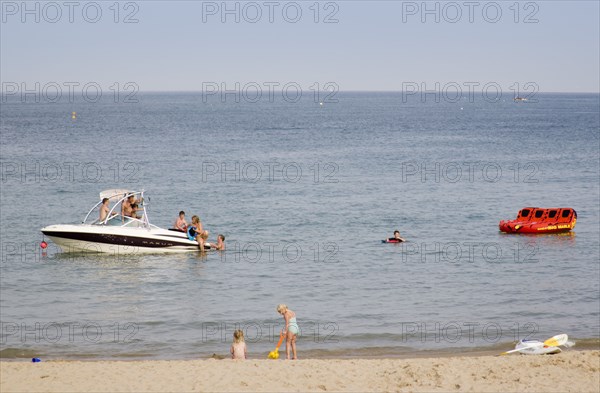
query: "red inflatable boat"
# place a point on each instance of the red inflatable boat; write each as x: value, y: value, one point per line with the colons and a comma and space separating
x: 539, y: 220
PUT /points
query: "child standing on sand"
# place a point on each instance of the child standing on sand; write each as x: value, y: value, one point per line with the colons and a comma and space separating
x: 291, y: 330
x: 238, y: 348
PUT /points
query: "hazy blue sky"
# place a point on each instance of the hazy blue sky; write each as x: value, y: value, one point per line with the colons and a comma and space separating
x: 177, y: 46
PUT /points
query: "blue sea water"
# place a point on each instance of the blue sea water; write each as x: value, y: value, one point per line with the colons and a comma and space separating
x: 304, y: 193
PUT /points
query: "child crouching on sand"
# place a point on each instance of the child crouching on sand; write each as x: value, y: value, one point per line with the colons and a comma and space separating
x: 238, y: 348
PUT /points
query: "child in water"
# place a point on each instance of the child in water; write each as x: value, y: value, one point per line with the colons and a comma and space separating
x: 220, y: 243
x: 238, y: 348
x: 396, y: 238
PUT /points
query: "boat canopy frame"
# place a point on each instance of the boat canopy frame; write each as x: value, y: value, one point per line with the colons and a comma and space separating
x: 120, y: 196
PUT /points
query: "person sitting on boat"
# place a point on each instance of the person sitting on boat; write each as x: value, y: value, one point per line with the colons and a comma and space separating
x: 180, y: 223
x: 220, y: 243
x: 104, y: 209
x: 134, y: 209
x: 196, y: 232
x: 126, y: 210
x: 396, y: 238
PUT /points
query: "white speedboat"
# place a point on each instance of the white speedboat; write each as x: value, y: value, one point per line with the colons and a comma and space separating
x: 118, y: 234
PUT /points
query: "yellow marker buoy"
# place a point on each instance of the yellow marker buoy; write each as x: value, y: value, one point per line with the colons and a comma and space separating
x: 73, y: 115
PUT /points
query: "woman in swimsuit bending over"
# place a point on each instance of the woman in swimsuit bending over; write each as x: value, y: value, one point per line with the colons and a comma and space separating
x: 291, y: 330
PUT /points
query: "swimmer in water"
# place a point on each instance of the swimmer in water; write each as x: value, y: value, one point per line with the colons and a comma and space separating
x: 396, y: 238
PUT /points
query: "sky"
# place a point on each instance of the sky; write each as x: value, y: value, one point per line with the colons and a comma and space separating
x: 549, y: 46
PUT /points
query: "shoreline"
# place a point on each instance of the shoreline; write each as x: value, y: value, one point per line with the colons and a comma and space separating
x: 372, y: 352
x: 569, y: 371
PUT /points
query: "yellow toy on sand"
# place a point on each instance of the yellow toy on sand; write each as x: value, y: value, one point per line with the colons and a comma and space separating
x: 274, y: 354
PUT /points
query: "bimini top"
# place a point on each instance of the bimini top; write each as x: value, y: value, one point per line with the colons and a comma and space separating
x: 116, y: 194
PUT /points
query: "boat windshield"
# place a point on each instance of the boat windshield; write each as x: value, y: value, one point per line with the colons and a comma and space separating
x: 120, y: 221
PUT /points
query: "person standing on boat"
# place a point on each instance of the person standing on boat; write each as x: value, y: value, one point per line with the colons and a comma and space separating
x: 291, y: 330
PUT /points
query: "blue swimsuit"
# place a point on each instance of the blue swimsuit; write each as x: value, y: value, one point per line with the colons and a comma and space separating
x: 293, y: 326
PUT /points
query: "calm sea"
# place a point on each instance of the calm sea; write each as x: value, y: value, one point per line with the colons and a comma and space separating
x: 304, y: 193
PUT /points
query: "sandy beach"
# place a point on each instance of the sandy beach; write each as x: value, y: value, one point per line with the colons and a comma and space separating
x: 573, y: 371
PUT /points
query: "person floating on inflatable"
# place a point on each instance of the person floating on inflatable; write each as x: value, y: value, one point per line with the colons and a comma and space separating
x: 395, y: 239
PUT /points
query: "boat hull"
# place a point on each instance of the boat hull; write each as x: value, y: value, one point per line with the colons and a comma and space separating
x: 95, y: 239
x: 541, y: 220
